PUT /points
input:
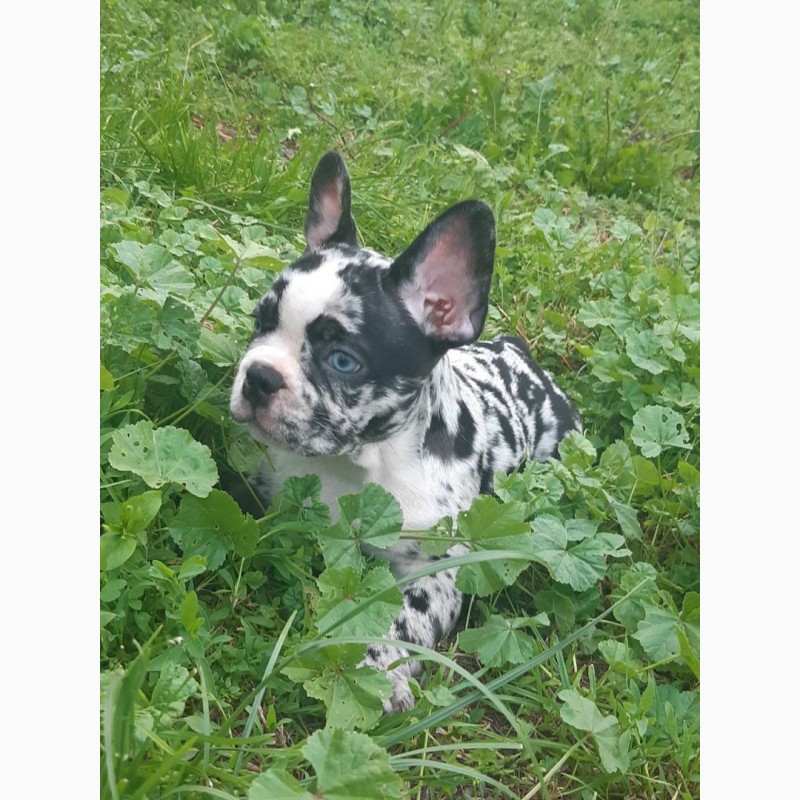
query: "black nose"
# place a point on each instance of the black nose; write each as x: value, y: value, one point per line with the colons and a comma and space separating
x: 260, y: 383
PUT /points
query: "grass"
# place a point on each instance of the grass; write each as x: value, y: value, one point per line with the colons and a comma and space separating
x: 578, y: 123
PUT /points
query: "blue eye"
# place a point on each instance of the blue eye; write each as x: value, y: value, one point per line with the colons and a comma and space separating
x: 344, y: 362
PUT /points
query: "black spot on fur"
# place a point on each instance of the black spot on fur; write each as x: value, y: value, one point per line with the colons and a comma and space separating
x: 419, y: 600
x: 325, y: 329
x: 279, y: 287
x: 505, y: 373
x: 437, y: 439
x: 487, y: 474
x: 508, y: 431
x: 378, y: 427
x: 308, y: 263
x: 266, y: 314
x: 465, y: 437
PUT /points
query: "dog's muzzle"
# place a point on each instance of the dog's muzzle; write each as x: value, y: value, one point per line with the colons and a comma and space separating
x: 260, y: 384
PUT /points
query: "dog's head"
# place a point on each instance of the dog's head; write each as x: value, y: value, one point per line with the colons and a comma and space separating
x: 346, y: 338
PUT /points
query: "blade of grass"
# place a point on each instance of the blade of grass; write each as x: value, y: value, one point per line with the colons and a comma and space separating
x: 443, y: 766
x: 251, y: 718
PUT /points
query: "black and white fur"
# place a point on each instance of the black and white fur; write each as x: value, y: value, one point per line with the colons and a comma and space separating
x: 429, y: 413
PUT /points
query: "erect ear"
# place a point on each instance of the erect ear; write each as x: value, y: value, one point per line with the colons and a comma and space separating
x: 329, y: 219
x: 443, y: 277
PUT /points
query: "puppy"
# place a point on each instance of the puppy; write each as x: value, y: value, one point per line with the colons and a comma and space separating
x: 364, y: 368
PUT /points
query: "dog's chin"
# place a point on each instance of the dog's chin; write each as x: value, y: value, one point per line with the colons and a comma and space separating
x: 275, y: 436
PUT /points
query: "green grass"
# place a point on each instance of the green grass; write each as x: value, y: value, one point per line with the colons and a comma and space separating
x: 578, y: 123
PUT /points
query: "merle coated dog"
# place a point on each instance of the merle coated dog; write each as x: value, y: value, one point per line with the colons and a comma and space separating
x: 364, y: 368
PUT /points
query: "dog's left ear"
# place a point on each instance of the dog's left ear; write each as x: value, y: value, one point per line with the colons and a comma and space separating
x: 443, y: 277
x: 329, y: 219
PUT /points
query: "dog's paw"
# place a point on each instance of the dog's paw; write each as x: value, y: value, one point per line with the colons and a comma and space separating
x: 402, y: 698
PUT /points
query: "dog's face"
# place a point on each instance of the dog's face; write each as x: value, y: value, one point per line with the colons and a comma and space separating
x: 346, y: 338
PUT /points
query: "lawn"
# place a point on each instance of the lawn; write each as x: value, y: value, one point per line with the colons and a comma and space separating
x: 229, y: 641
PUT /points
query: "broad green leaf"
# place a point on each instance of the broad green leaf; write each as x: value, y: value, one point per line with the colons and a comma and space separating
x: 580, y: 565
x: 683, y: 311
x: 152, y: 265
x: 628, y: 521
x: 620, y: 657
x: 188, y: 613
x: 489, y: 525
x: 276, y: 784
x: 221, y: 349
x: 647, y: 476
x: 689, y: 474
x: 106, y: 380
x: 343, y: 590
x: 350, y: 766
x: 583, y: 714
x: 685, y: 705
x: 657, y: 427
x: 536, y: 487
x: 596, y: 313
x: 558, y: 601
x: 115, y: 549
x: 173, y: 688
x: 372, y: 518
x: 623, y: 229
x: 658, y: 632
x: 301, y: 495
x: 645, y: 349
x: 617, y: 467
x: 136, y: 513
x: 106, y: 617
x: 194, y: 565
x: 353, y: 696
x: 332, y: 657
x: 213, y: 526
x: 439, y: 696
x: 130, y: 322
x: 164, y: 455
x: 631, y: 611
x: 577, y: 451
x: 501, y: 641
x: 244, y: 453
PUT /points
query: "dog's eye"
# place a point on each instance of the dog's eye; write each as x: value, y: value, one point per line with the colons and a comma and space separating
x: 344, y: 362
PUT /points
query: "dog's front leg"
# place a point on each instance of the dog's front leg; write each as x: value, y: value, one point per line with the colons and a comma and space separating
x: 431, y: 606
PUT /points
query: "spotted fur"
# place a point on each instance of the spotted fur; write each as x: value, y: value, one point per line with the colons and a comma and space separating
x: 430, y: 413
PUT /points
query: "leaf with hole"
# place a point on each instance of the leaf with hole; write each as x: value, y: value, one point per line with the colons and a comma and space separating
x: 656, y: 427
x: 164, y: 455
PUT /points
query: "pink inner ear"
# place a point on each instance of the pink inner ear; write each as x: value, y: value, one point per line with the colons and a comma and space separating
x: 446, y: 282
x: 329, y: 209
